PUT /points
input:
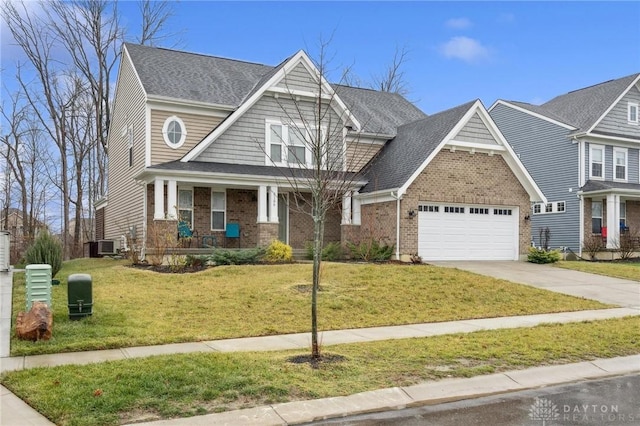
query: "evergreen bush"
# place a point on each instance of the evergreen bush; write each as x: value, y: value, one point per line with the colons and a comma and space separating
x: 537, y: 255
x: 46, y: 249
x: 371, y: 251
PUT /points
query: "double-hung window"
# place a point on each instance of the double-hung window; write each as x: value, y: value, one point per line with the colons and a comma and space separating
x: 596, y: 160
x: 218, y: 210
x: 620, y: 163
x: 287, y: 145
x: 632, y: 112
x: 596, y: 217
x: 185, y: 206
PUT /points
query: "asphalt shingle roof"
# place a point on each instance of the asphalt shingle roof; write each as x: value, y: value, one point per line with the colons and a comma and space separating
x: 195, y: 77
x: 583, y: 107
x: 414, y: 142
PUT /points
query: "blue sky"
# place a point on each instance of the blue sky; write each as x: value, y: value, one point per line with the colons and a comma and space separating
x: 458, y: 51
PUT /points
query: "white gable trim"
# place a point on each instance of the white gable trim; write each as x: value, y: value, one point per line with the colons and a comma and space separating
x: 300, y: 57
x: 531, y: 113
x: 525, y: 179
x: 624, y: 92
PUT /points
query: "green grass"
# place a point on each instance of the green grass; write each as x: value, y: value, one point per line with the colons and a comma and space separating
x: 135, y: 307
x: 185, y: 385
x: 626, y: 270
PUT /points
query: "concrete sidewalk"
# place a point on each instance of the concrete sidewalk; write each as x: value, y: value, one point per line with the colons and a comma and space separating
x: 14, y: 411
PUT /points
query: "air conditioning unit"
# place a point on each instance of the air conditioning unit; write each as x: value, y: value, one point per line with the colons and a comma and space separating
x: 108, y: 246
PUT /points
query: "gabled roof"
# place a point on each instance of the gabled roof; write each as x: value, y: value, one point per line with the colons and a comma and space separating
x: 412, y: 145
x: 194, y: 77
x: 583, y: 108
x: 402, y: 159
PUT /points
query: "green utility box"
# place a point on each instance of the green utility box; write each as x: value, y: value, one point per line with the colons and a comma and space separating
x: 38, y: 284
x: 80, y: 293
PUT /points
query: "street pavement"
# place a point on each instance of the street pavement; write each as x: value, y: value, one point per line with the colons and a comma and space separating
x: 13, y: 411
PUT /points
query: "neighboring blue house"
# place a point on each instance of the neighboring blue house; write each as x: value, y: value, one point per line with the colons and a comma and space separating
x: 583, y: 151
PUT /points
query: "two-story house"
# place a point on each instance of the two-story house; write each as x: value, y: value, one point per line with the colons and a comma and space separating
x: 224, y: 145
x: 583, y: 150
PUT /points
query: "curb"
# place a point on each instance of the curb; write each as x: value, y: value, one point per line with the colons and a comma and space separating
x: 397, y: 398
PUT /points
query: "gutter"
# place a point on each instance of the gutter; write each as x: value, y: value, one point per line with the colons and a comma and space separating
x: 397, y: 197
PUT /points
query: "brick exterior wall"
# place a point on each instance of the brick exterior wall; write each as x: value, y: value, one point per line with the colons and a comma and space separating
x: 301, y: 224
x: 632, y: 216
x: 453, y: 177
x: 242, y: 208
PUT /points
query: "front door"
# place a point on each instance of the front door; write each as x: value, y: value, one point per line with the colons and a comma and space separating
x: 283, y: 218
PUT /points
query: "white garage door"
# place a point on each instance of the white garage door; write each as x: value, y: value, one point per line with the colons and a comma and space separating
x: 467, y: 232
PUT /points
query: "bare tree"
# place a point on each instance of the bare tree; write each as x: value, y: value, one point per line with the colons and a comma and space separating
x: 393, y: 79
x: 313, y: 141
x: 155, y: 16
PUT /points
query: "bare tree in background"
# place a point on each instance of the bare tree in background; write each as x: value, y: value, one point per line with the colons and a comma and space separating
x: 73, y: 48
x: 393, y: 79
x: 155, y: 17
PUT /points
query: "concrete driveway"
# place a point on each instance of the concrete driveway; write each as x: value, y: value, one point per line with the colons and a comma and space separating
x: 590, y: 286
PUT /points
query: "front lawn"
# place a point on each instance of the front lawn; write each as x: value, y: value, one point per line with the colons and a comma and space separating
x: 126, y: 391
x: 626, y: 270
x: 134, y: 307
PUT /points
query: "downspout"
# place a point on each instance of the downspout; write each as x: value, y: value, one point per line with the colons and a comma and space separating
x: 397, y: 197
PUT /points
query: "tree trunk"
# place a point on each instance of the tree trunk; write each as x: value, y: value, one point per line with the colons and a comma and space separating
x: 318, y: 234
x: 37, y: 324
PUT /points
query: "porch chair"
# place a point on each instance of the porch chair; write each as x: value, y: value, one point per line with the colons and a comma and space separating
x: 186, y: 234
x: 233, y: 231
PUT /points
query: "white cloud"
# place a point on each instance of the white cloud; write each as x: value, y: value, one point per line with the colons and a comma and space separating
x: 458, y: 23
x: 464, y: 48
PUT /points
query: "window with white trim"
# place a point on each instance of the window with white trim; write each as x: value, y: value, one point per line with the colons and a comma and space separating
x: 623, y: 217
x: 596, y: 161
x: 174, y: 132
x: 632, y: 112
x: 620, y: 164
x: 218, y: 210
x: 555, y: 207
x: 286, y: 145
x: 185, y: 206
x: 596, y: 217
x: 428, y: 208
x: 502, y: 212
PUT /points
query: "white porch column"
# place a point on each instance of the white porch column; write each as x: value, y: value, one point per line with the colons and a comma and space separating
x: 613, y: 220
x: 262, y: 204
x: 346, y: 209
x: 158, y: 199
x: 355, y: 211
x: 172, y: 199
x: 273, y: 204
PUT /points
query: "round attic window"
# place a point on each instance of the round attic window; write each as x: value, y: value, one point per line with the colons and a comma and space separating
x: 174, y: 132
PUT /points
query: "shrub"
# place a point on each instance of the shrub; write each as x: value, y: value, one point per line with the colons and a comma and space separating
x: 627, y: 245
x: 537, y: 255
x: 46, y: 249
x: 236, y: 257
x: 592, y: 245
x: 278, y: 252
x: 371, y: 251
x: 195, y: 261
x: 332, y: 251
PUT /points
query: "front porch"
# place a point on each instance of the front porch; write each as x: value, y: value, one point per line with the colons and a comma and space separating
x: 260, y: 214
x: 613, y: 218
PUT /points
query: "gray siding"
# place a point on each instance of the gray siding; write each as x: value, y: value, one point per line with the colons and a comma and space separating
x: 475, y: 131
x: 616, y: 120
x: 552, y: 160
x: 298, y: 79
x: 634, y: 165
x: 243, y: 142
